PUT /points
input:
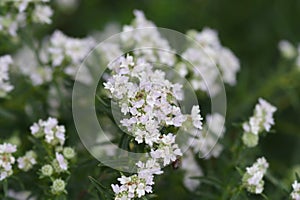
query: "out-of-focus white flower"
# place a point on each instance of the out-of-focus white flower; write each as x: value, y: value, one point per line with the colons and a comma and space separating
x: 262, y: 120
x: 208, y: 57
x: 42, y: 14
x: 192, y: 169
x: 287, y: 49
x: 295, y: 195
x: 29, y: 66
x: 20, y: 195
x: 143, y: 33
x: 206, y: 142
x: 26, y: 162
x: 14, y: 19
x: 5, y: 86
x: 6, y: 160
x: 253, y: 178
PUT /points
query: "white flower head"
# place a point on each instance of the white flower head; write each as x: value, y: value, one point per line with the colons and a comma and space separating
x: 26, y: 162
x: 42, y: 14
x: 253, y: 178
x: 295, y: 195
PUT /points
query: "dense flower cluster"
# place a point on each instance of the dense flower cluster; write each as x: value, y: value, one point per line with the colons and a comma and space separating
x: 151, y: 103
x: 295, y: 195
x: 253, y: 178
x: 289, y: 51
x: 210, y: 60
x: 6, y: 160
x: 5, y: 86
x: 208, y: 57
x: 262, y: 120
x: 19, y: 13
x: 52, y: 132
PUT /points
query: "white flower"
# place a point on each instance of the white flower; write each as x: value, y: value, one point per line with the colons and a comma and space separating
x: 133, y: 186
x: 42, y: 14
x: 295, y: 195
x: 143, y: 33
x: 63, y: 164
x: 253, y: 178
x: 207, y: 57
x: 192, y: 169
x: 262, y: 120
x: 287, y: 49
x: 29, y: 66
x: 196, y: 117
x: 26, y: 162
x: 6, y: 160
x: 5, y: 86
x: 54, y: 133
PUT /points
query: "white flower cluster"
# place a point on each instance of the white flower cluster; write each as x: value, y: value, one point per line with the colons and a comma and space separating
x: 26, y: 162
x: 205, y: 142
x: 295, y: 195
x: 208, y: 56
x: 20, y: 13
x: 6, y: 160
x: 289, y: 51
x: 5, y: 86
x: 262, y: 120
x: 253, y: 178
x: 148, y: 102
x: 139, y: 184
x: 59, y: 51
x: 143, y: 36
x: 54, y: 134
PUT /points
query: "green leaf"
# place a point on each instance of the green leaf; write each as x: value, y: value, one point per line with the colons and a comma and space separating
x: 105, y: 192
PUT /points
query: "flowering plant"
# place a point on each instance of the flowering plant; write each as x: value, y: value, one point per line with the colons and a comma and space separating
x: 122, y: 117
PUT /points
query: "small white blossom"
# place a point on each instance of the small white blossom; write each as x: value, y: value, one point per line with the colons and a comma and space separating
x: 5, y: 86
x: 253, y: 178
x: 26, y: 162
x: 54, y: 133
x: 6, y: 160
x: 63, y: 163
x: 262, y: 120
x: 42, y: 14
x: 196, y: 117
x: 295, y: 195
x: 287, y: 49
